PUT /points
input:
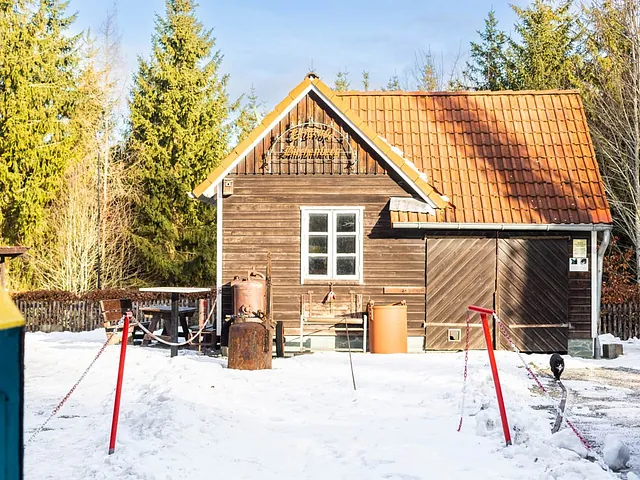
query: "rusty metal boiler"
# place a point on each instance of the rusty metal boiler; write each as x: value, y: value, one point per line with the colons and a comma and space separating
x: 249, y: 294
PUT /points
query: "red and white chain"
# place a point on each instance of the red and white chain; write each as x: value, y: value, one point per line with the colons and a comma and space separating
x: 66, y: 397
x: 504, y: 330
x: 466, y: 364
x: 102, y: 349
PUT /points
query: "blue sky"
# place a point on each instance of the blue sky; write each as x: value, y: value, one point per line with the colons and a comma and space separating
x: 271, y: 44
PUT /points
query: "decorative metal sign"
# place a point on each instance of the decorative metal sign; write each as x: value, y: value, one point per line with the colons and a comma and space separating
x: 312, y: 143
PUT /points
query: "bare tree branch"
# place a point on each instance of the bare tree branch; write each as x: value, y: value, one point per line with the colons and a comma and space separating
x: 612, y: 96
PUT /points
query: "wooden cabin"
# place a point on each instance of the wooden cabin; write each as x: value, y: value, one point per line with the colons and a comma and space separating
x: 441, y: 199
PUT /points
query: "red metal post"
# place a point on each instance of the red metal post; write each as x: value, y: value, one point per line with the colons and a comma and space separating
x: 116, y: 406
x: 475, y: 308
x: 494, y: 370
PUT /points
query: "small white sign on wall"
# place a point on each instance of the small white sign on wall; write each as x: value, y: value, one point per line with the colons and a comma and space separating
x: 577, y: 264
x: 580, y: 248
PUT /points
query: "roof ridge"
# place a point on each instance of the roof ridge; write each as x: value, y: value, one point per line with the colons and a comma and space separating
x: 347, y: 93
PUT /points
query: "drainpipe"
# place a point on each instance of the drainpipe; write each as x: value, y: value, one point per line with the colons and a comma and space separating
x: 606, y: 238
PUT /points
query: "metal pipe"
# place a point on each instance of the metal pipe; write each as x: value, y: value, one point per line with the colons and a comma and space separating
x: 573, y: 227
x: 175, y: 319
x: 219, y: 254
x: 494, y: 372
x: 116, y: 405
x: 594, y: 286
x: 606, y: 238
x: 474, y: 308
x: 99, y: 260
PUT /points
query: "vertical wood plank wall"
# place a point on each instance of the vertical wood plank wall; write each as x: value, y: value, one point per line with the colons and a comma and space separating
x: 464, y: 249
x: 460, y: 272
x: 309, y: 108
x: 533, y: 293
x: 580, y: 296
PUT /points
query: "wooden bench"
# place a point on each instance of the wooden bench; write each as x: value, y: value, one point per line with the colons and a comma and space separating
x: 112, y: 312
x: 344, y: 318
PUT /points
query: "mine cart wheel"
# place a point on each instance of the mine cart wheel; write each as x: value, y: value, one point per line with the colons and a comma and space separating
x: 279, y: 339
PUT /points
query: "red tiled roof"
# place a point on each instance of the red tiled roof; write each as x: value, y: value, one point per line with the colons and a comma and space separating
x: 500, y: 157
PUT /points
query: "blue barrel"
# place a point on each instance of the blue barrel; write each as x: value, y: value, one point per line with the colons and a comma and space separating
x: 11, y: 389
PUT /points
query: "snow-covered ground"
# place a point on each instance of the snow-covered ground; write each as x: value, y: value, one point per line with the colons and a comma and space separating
x: 190, y: 417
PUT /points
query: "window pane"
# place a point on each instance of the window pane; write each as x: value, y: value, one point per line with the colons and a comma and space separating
x: 318, y: 222
x: 346, y: 265
x: 318, y: 243
x: 318, y: 265
x: 346, y: 244
x: 346, y: 222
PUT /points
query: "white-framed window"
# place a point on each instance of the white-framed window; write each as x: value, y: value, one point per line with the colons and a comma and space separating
x: 331, y: 243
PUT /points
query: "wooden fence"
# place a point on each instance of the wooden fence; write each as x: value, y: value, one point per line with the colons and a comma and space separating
x: 76, y: 315
x: 621, y: 320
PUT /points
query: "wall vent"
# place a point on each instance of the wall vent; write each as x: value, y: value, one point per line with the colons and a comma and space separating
x: 454, y: 334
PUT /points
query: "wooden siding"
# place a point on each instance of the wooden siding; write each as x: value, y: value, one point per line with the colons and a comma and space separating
x: 579, y: 316
x: 580, y: 297
x: 460, y: 272
x: 310, y: 107
x: 455, y: 248
x: 263, y: 215
x: 533, y: 293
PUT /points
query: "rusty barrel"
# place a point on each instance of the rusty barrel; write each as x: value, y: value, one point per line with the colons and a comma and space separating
x: 249, y: 346
x: 388, y: 328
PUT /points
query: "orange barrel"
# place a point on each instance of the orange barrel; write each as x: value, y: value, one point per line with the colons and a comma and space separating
x: 388, y: 328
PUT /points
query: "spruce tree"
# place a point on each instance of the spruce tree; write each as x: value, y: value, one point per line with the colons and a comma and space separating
x: 342, y: 82
x: 487, y: 69
x: 365, y: 80
x: 393, y: 85
x: 249, y: 116
x: 38, y: 98
x: 547, y: 54
x: 178, y: 134
x: 425, y: 72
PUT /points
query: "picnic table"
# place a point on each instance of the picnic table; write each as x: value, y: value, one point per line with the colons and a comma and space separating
x: 161, y: 315
x: 175, y: 309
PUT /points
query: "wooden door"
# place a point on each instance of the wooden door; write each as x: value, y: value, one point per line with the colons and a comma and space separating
x: 460, y: 272
x: 533, y: 292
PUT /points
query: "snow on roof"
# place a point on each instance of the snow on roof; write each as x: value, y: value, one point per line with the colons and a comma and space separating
x: 410, y: 164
